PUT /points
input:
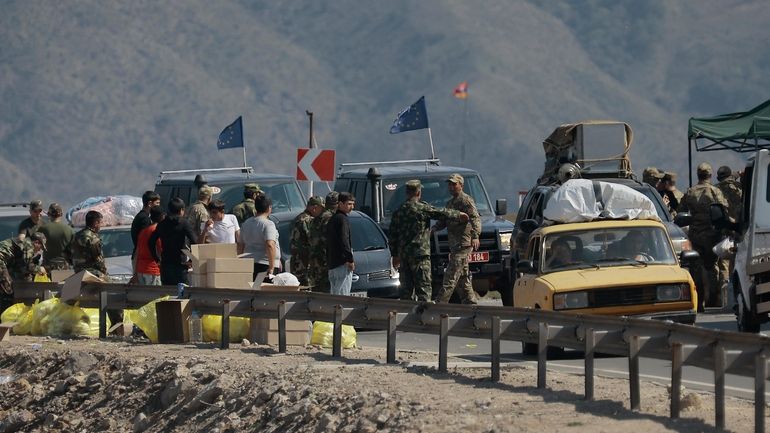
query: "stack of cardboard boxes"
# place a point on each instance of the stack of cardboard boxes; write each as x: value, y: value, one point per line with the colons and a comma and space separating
x: 218, y: 265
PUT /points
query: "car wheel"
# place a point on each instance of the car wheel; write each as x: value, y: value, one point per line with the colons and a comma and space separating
x: 746, y: 320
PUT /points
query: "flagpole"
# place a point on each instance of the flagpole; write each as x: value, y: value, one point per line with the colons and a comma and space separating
x: 430, y: 138
x: 244, y: 155
x: 465, y: 126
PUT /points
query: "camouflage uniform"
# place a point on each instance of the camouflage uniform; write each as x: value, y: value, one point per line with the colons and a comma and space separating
x: 409, y: 238
x: 197, y: 215
x: 733, y: 194
x: 460, y: 235
x: 18, y: 262
x: 317, y: 271
x: 245, y: 209
x: 300, y: 247
x: 703, y: 238
x: 87, y: 253
x: 652, y: 176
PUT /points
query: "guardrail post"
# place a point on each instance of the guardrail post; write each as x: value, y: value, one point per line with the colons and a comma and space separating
x: 542, y: 353
x: 337, y: 334
x: 590, y: 341
x: 719, y: 385
x: 391, y: 358
x: 225, y: 339
x: 676, y: 379
x: 443, y: 342
x: 760, y: 375
x: 102, y: 314
x: 633, y: 370
x: 282, y: 326
x: 495, y: 337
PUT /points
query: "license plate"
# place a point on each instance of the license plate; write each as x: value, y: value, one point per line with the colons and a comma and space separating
x: 359, y: 294
x: 478, y: 256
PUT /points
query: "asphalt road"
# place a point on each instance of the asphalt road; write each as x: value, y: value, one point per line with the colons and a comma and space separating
x: 477, y: 353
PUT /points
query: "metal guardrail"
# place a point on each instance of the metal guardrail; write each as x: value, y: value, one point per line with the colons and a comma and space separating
x: 722, y: 352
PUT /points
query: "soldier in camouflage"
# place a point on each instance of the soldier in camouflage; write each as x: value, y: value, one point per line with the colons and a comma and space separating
x: 652, y: 176
x: 87, y: 247
x: 318, y: 272
x: 59, y: 236
x: 667, y: 190
x: 731, y: 190
x: 245, y: 209
x: 20, y: 260
x: 463, y: 239
x: 34, y: 221
x: 409, y: 238
x: 300, y: 240
x: 703, y: 237
x: 198, y: 213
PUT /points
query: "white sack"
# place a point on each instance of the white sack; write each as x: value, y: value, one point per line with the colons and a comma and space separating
x: 575, y: 201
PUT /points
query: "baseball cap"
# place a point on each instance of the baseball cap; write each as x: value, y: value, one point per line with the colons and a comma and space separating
x: 724, y: 172
x: 652, y: 172
x: 36, y: 205
x: 704, y: 168
x: 315, y: 201
x: 413, y: 185
x: 455, y: 178
x: 37, y: 236
x: 332, y: 198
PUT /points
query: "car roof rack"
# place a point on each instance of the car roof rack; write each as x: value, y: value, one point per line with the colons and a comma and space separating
x: 164, y: 174
x: 14, y: 204
x: 433, y: 161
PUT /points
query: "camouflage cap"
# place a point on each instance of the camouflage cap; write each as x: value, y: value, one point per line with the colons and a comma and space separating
x: 704, y: 168
x: 251, y: 187
x: 652, y: 173
x: 456, y: 178
x: 36, y: 205
x: 331, y: 199
x: 724, y: 172
x: 38, y: 236
x: 205, y: 191
x: 315, y: 201
x: 669, y: 177
x: 413, y: 185
x: 55, y: 209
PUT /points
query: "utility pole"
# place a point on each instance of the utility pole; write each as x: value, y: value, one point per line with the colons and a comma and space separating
x: 310, y: 144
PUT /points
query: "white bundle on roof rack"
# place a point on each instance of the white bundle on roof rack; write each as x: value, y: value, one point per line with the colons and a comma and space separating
x: 576, y: 201
x: 116, y: 210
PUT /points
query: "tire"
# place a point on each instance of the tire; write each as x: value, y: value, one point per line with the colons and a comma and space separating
x: 746, y: 320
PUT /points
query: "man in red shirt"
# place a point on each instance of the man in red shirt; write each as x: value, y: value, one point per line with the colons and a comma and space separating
x: 146, y: 268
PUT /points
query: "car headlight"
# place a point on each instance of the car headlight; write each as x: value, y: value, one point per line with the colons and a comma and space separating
x: 681, y: 245
x: 566, y: 301
x: 505, y: 241
x: 673, y: 292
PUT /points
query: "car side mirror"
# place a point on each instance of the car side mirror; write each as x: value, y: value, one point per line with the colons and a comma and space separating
x: 688, y: 257
x: 528, y: 226
x: 501, y: 207
x: 525, y: 267
x: 683, y: 219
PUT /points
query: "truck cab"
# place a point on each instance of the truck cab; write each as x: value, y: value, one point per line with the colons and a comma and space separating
x: 379, y: 188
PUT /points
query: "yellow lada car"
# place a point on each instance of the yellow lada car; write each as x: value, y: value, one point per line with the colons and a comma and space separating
x: 613, y: 267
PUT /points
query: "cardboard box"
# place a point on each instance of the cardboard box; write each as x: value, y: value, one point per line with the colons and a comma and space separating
x: 58, y: 275
x: 229, y: 280
x: 201, y: 253
x: 291, y: 325
x: 265, y: 331
x: 222, y: 264
x: 293, y: 338
x: 173, y: 316
x: 198, y: 280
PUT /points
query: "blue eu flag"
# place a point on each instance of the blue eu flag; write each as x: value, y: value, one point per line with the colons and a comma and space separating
x: 232, y: 136
x: 410, y: 118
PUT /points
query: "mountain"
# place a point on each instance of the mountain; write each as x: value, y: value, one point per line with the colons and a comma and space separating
x: 99, y: 96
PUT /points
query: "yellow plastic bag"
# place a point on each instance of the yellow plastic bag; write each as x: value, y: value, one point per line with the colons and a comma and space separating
x: 323, y: 335
x: 40, y: 312
x: 93, y: 321
x: 42, y: 278
x: 146, y: 319
x: 64, y: 319
x: 23, y: 320
x: 14, y: 313
x: 212, y: 328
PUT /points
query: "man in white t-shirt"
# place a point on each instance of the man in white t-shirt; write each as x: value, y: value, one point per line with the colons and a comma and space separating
x: 221, y: 228
x: 259, y: 238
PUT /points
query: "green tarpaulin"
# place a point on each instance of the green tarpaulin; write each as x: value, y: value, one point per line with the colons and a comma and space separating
x: 742, y: 132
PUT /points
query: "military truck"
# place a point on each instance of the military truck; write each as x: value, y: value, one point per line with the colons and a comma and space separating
x: 379, y: 188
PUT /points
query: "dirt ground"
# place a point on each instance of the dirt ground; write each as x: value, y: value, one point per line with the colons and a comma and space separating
x: 125, y: 385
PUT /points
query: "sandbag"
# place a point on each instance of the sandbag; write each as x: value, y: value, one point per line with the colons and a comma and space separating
x: 323, y: 335
x: 212, y: 328
x: 146, y: 318
x: 576, y: 201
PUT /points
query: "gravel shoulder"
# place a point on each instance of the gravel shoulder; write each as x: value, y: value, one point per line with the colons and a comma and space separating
x: 88, y: 385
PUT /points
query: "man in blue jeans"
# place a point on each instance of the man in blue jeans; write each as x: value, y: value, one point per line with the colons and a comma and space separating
x: 339, y: 253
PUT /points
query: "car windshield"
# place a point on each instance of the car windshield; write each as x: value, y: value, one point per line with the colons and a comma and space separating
x: 9, y: 226
x: 638, y: 246
x: 364, y: 235
x: 116, y: 242
x: 434, y: 192
x: 285, y: 195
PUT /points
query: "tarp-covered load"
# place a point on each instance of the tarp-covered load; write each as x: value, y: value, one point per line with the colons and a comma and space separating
x: 581, y: 200
x: 599, y: 148
x: 744, y: 131
x: 116, y: 210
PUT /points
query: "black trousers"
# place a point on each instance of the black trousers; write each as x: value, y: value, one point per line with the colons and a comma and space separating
x: 172, y: 274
